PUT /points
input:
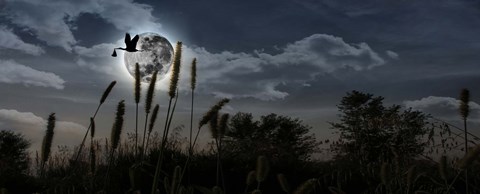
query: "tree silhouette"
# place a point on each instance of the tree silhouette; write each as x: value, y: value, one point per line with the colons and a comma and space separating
x: 371, y: 132
x: 14, y: 160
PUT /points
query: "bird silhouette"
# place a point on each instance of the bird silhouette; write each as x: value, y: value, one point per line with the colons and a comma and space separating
x: 130, y: 44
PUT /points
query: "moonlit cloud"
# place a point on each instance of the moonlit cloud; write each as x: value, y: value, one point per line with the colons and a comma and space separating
x: 53, y: 21
x: 445, y: 102
x: 443, y: 107
x: 97, y: 58
x: 12, y: 72
x: 8, y: 40
x: 33, y: 127
x: 259, y: 74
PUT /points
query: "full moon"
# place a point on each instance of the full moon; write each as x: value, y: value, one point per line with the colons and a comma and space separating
x: 156, y: 54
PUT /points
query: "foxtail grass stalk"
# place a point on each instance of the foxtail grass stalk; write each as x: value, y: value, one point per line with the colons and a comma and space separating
x: 464, y: 112
x: 193, y: 82
x: 171, y: 115
x: 137, y: 100
x: 117, y: 126
x: 205, y: 119
x: 115, y: 134
x: 47, y: 141
x: 148, y: 106
x: 153, y: 118
x: 172, y: 93
x: 102, y: 100
x: 175, y: 70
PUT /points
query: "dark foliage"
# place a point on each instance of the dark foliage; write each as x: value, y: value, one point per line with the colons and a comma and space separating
x: 14, y: 161
x: 280, y: 138
x: 372, y: 133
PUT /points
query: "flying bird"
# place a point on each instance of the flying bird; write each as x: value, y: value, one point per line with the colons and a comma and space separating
x: 131, y: 45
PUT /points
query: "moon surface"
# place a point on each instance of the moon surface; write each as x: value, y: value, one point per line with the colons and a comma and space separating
x: 156, y: 54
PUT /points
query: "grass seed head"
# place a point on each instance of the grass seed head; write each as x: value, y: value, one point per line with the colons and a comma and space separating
x: 92, y: 127
x: 153, y: 118
x: 48, y: 138
x: 150, y: 92
x: 137, y: 83
x: 193, y: 74
x: 175, y: 70
x: 213, y: 110
x: 464, y: 100
x: 107, y: 92
x: 262, y: 168
x: 117, y: 125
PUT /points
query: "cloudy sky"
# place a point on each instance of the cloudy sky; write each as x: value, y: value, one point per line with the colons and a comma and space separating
x: 295, y: 58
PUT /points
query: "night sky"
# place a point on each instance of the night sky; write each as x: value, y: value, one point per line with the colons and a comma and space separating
x: 295, y: 58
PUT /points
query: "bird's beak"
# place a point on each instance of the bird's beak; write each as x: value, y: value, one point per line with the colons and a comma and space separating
x: 114, y: 54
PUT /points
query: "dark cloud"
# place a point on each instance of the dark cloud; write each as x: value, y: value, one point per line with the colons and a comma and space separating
x: 9, y: 40
x: 53, y: 21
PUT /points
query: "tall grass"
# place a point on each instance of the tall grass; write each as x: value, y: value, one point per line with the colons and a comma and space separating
x: 193, y: 84
x: 172, y: 93
x: 102, y: 100
x: 153, y: 118
x: 115, y: 135
x: 148, y: 105
x: 207, y: 117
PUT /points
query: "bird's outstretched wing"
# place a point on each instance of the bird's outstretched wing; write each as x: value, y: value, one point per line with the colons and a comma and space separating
x: 134, y: 41
x: 127, y: 39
